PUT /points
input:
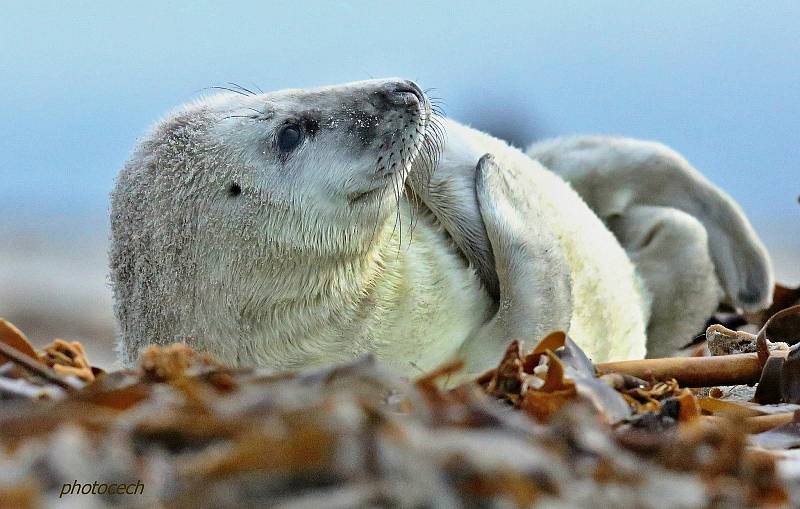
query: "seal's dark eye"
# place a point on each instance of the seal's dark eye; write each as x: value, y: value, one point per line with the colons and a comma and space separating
x: 289, y: 137
x: 234, y: 190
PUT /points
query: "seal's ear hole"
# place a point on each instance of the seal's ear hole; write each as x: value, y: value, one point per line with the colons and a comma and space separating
x: 234, y: 190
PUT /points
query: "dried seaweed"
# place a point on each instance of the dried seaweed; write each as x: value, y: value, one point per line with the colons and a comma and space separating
x: 545, y: 428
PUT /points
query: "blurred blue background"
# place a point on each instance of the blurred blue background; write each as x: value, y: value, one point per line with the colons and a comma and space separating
x: 718, y: 81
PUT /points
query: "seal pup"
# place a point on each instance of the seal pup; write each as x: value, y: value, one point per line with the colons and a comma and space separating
x: 269, y: 229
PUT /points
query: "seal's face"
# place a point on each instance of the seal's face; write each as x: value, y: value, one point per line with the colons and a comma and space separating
x: 343, y: 151
x: 239, y: 210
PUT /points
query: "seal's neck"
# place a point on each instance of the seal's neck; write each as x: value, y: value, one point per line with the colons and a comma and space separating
x: 410, y: 299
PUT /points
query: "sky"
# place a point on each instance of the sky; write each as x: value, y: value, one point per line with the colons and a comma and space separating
x: 718, y: 81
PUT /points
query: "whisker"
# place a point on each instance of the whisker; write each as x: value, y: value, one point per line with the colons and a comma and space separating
x: 241, y: 88
x: 412, y: 212
x: 251, y: 117
x: 227, y: 90
x: 379, y: 203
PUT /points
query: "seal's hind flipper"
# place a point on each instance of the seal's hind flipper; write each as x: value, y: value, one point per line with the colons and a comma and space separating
x: 616, y: 175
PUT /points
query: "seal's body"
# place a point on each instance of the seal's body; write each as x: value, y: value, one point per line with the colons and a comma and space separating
x: 608, y: 306
x: 274, y: 229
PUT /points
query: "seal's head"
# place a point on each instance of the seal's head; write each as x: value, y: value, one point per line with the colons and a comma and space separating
x: 231, y: 208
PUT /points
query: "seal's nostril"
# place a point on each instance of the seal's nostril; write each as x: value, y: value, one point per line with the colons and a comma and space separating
x: 410, y: 87
x: 406, y: 98
x: 403, y: 93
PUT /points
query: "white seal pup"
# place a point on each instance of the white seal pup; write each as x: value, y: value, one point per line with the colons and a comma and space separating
x: 272, y: 229
x: 268, y: 229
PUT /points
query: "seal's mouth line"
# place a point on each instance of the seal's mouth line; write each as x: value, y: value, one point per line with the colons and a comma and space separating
x: 380, y: 184
x: 360, y: 197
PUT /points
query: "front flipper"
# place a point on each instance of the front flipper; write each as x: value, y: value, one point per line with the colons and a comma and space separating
x: 449, y: 193
x: 533, y: 276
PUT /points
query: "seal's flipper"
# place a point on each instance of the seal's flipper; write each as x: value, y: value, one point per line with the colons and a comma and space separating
x: 533, y: 277
x: 449, y: 193
x: 614, y: 175
x: 681, y: 300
